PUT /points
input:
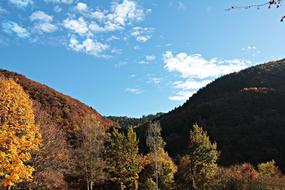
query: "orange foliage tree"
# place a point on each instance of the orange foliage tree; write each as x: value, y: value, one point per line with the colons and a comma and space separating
x: 18, y: 133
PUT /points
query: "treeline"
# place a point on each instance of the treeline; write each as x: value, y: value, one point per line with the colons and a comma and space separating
x: 38, y: 156
x: 125, y: 121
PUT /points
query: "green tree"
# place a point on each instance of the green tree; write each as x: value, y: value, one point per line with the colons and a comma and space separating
x: 19, y: 135
x: 199, y: 165
x: 123, y: 159
x: 159, y: 169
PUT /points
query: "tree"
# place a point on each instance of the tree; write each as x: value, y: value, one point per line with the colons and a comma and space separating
x: 269, y: 169
x: 159, y: 169
x: 199, y: 165
x: 268, y: 3
x: 89, y: 154
x: 53, y: 161
x: 123, y: 159
x: 19, y: 135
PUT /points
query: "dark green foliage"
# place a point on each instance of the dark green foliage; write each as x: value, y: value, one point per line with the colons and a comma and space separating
x: 126, y: 122
x: 243, y: 112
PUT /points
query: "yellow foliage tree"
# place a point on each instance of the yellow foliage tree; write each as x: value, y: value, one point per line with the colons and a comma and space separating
x: 19, y: 135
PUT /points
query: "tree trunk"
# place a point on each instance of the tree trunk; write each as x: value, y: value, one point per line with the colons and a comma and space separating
x: 88, y: 185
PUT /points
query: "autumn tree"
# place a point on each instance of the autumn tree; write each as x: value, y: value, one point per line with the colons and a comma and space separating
x: 199, y: 165
x: 123, y: 159
x: 89, y: 154
x: 159, y: 169
x: 53, y: 161
x: 19, y: 135
x: 269, y: 169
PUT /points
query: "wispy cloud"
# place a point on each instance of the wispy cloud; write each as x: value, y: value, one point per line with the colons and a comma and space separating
x: 154, y: 80
x: 59, y: 1
x: 252, y: 50
x: 82, y: 7
x: 197, y: 71
x: 141, y: 34
x: 42, y: 22
x: 89, y: 46
x: 134, y: 90
x: 148, y: 59
x: 85, y: 28
x: 21, y: 3
x: 11, y: 27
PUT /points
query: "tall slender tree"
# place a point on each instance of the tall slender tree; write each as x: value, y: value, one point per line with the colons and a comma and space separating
x: 159, y: 169
x: 89, y: 154
x: 199, y: 165
x: 123, y: 158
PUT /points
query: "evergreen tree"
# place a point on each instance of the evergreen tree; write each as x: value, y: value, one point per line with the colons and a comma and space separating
x: 199, y: 165
x: 123, y: 159
x: 19, y: 135
x: 159, y: 169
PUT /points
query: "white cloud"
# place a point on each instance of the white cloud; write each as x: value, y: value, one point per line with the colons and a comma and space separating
x: 198, y: 67
x: 81, y: 7
x: 45, y: 27
x: 88, y: 46
x: 121, y: 64
x: 57, y: 9
x: 43, y: 22
x: 181, y: 6
x: 181, y: 96
x: 134, y: 90
x: 94, y: 27
x: 119, y: 16
x: 196, y: 71
x: 249, y: 48
x: 142, y: 35
x: 98, y: 15
x: 21, y: 3
x: 154, y: 80
x: 78, y: 26
x: 81, y: 30
x: 126, y: 11
x: 60, y: 1
x: 150, y: 57
x: 191, y: 84
x: 2, y: 10
x: 12, y: 27
x: 41, y: 16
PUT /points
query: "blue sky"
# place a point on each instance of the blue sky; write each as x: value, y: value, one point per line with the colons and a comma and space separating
x: 131, y: 57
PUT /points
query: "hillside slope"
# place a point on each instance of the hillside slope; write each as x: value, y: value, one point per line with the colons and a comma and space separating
x: 243, y: 112
x: 64, y: 111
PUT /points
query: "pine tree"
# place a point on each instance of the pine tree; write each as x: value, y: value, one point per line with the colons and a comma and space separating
x: 19, y: 135
x: 159, y: 169
x: 199, y: 165
x: 122, y: 156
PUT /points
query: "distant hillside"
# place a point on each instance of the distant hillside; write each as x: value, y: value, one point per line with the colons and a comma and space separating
x: 65, y: 111
x: 124, y: 121
x: 243, y: 112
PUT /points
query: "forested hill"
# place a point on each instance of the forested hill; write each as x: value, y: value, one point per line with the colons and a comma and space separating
x: 124, y: 121
x: 244, y: 112
x: 64, y: 111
